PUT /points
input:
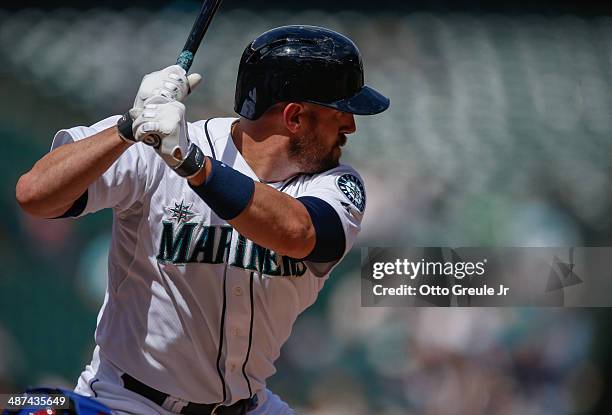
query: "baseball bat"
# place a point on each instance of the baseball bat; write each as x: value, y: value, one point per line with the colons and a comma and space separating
x: 184, y: 60
x: 200, y: 26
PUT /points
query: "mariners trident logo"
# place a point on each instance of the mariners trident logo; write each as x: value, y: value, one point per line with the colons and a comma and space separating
x: 352, y: 188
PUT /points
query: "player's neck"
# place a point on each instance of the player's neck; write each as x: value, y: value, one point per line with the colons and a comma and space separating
x: 264, y: 150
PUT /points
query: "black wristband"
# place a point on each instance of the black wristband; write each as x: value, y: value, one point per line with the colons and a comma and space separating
x: 227, y: 191
x: 192, y: 163
x: 124, y: 127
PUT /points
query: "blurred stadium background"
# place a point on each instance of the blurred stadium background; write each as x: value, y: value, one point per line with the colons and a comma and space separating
x: 498, y: 134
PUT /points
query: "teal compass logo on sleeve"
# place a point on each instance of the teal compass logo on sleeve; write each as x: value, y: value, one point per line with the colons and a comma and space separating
x: 352, y: 188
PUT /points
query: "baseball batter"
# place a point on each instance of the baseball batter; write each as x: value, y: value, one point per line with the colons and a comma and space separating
x: 224, y: 230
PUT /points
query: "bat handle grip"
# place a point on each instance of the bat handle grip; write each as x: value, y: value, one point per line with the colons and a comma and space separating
x: 184, y: 60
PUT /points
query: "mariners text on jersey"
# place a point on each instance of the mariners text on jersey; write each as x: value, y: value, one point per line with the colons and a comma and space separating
x: 213, y: 245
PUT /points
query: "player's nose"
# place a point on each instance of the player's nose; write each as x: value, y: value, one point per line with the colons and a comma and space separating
x: 348, y: 123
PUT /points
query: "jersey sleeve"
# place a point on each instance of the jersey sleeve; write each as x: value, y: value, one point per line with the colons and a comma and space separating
x: 341, y: 187
x: 126, y: 180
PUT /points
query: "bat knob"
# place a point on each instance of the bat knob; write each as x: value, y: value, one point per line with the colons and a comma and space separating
x: 152, y: 140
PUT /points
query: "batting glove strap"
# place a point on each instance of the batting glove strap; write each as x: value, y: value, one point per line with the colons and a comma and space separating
x: 124, y: 127
x: 192, y: 164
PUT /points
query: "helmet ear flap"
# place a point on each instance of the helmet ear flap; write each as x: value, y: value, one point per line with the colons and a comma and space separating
x: 302, y: 63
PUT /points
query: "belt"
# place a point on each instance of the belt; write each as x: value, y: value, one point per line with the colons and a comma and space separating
x: 187, y: 408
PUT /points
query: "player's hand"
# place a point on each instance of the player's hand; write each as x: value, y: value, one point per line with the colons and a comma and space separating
x: 170, y: 82
x: 162, y: 125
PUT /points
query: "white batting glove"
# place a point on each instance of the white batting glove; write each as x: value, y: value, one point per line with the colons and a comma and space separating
x: 162, y: 124
x: 170, y: 83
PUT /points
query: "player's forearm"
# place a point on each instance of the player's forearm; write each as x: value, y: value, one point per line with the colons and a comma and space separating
x: 276, y: 221
x: 271, y: 219
x: 62, y: 176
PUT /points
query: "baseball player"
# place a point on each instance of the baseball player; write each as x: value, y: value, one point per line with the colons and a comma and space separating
x: 224, y: 230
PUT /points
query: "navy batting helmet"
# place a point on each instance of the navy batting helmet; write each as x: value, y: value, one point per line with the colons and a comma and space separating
x: 304, y: 63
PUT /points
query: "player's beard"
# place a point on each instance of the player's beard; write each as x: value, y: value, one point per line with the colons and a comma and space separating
x: 309, y: 151
x: 311, y: 156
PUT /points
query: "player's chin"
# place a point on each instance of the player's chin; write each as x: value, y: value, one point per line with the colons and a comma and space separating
x: 336, y: 155
x: 330, y: 162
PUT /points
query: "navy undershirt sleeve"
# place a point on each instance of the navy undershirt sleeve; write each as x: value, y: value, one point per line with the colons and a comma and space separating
x: 330, y: 240
x: 77, y: 207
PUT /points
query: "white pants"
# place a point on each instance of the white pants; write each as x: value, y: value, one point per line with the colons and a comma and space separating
x: 101, y: 380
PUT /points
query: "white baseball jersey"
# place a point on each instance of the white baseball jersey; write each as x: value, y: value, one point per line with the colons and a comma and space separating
x: 192, y: 308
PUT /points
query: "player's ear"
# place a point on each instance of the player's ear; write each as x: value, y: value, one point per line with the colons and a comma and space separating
x: 294, y: 117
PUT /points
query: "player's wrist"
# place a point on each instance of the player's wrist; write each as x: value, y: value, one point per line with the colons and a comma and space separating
x: 193, y: 162
x: 227, y: 191
x: 124, y: 128
x: 200, y: 177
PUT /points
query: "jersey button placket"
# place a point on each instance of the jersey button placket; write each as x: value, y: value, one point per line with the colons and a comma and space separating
x: 238, y: 320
